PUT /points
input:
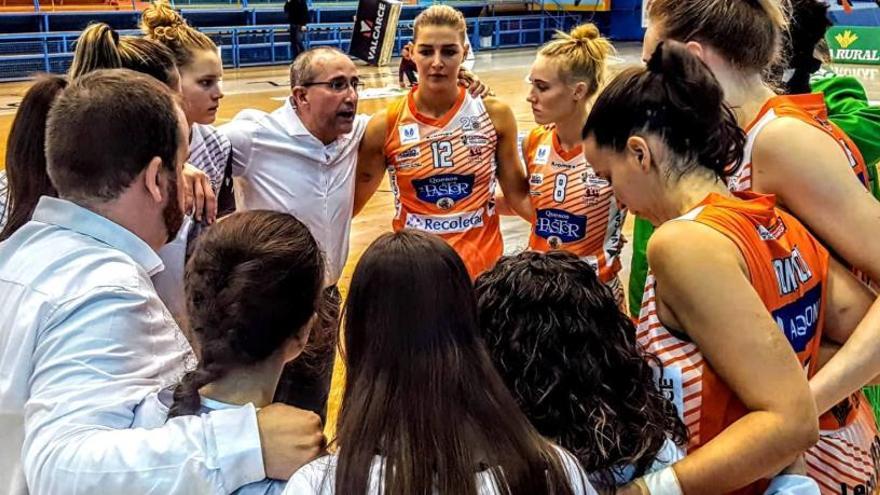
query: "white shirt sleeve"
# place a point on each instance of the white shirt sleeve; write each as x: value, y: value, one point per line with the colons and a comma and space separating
x: 361, y: 121
x: 792, y: 484
x: 315, y: 478
x: 240, y: 132
x: 302, y: 484
x: 95, y: 359
x: 580, y: 485
x: 265, y: 487
x: 169, y: 282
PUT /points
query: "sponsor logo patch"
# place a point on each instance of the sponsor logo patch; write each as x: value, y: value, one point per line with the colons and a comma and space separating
x: 591, y: 179
x: 445, y: 224
x: 559, y: 227
x: 444, y: 190
x: 536, y: 179
x: 409, y: 133
x: 542, y: 155
x: 410, y: 153
x: 799, y: 320
x: 774, y: 232
x: 475, y: 140
x: 440, y: 135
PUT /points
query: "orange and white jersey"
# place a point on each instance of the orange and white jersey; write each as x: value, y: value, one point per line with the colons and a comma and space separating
x: 808, y: 108
x: 787, y: 268
x: 850, y: 423
x: 845, y: 460
x: 575, y: 209
x: 443, y: 175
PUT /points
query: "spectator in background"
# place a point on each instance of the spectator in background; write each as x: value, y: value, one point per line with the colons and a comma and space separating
x: 407, y: 68
x: 24, y: 180
x: 298, y: 17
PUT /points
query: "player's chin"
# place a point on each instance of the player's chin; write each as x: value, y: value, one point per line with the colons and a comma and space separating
x: 439, y: 80
x: 540, y: 117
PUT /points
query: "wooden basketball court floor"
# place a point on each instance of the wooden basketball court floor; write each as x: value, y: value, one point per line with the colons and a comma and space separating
x: 505, y: 71
x: 265, y: 88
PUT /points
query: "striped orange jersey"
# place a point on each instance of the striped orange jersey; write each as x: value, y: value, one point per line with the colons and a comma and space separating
x: 809, y: 108
x: 787, y: 268
x: 845, y: 460
x: 850, y: 422
x: 575, y: 210
x: 443, y: 175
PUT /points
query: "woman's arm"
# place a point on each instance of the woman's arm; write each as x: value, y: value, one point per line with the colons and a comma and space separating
x: 812, y: 176
x: 857, y: 361
x: 511, y: 174
x: 371, y: 161
x: 703, y: 289
x: 501, y: 205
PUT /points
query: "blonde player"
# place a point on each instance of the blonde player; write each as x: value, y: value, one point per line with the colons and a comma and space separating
x: 574, y: 209
x: 444, y: 150
x: 201, y: 73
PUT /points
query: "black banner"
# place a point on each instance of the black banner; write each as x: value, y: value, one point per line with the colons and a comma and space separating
x: 375, y: 26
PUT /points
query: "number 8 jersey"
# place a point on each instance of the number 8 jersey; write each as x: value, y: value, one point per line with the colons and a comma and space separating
x: 575, y: 210
x: 443, y: 174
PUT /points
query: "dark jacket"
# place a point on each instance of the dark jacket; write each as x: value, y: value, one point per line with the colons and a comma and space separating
x: 297, y: 12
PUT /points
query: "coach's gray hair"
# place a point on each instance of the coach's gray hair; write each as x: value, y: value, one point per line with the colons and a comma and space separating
x: 302, y: 70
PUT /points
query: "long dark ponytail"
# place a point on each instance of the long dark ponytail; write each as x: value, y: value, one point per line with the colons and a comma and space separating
x: 100, y: 47
x: 677, y: 99
x: 26, y: 154
x: 252, y: 283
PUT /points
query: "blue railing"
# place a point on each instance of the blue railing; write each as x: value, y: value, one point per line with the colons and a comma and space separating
x: 558, y: 14
x: 325, y: 3
x: 25, y: 53
x: 351, y: 4
x: 257, y: 12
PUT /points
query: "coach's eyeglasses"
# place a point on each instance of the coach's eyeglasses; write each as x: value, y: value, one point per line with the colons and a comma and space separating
x: 339, y: 85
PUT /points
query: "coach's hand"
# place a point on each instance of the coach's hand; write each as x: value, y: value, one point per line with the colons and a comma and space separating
x: 199, y: 195
x: 290, y: 438
x: 475, y: 86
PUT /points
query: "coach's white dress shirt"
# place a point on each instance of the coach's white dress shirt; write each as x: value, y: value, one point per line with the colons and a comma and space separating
x: 279, y: 165
x: 83, y: 339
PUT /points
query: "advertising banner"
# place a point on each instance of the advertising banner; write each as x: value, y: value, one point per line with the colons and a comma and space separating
x: 854, y: 44
x: 375, y: 26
